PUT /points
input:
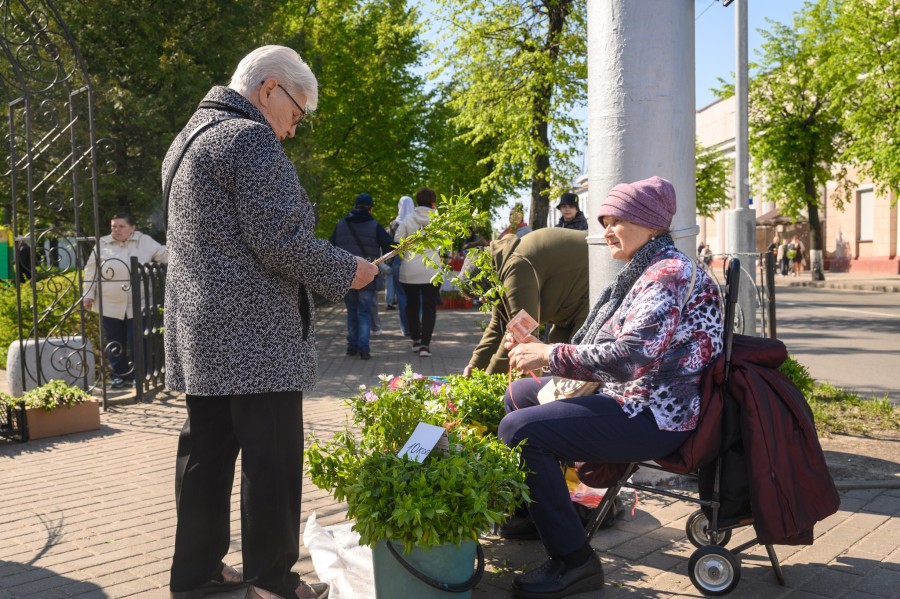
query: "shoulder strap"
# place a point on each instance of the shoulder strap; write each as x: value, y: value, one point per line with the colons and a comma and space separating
x: 690, y: 290
x: 177, y: 162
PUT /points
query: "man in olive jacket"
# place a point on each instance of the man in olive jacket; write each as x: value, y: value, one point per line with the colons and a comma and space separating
x: 545, y: 273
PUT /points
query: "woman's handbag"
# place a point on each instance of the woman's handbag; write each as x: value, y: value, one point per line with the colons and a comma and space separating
x: 561, y: 388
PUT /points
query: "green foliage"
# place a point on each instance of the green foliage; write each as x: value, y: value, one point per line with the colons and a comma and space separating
x: 367, y: 134
x: 713, y: 182
x: 55, y: 394
x: 58, y: 308
x: 479, y: 398
x: 799, y: 375
x: 151, y: 63
x: 796, y: 132
x: 517, y: 70
x: 867, y: 60
x: 448, y: 498
x: 838, y: 411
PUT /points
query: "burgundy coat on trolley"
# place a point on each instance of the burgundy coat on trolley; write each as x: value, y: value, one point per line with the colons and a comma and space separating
x: 790, y: 486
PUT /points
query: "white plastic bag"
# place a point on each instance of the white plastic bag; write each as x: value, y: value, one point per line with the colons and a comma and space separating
x: 340, y: 560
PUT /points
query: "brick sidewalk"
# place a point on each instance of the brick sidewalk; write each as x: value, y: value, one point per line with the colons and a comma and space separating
x: 92, y: 515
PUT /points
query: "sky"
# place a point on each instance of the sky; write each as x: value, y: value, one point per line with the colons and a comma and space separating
x: 714, y: 38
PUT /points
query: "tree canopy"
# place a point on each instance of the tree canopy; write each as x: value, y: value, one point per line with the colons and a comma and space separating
x: 867, y: 56
x: 796, y: 133
x: 713, y: 181
x: 517, y: 70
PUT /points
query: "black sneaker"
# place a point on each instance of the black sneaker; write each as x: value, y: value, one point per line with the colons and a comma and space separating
x: 364, y: 355
x: 351, y: 352
x: 554, y: 579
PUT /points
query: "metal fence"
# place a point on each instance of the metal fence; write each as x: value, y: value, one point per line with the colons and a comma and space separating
x: 148, y: 282
x: 755, y: 315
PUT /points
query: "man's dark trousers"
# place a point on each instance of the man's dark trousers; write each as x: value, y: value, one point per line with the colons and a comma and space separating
x: 267, y: 429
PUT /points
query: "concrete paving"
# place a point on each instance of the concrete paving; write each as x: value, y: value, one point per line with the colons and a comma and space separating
x: 92, y: 515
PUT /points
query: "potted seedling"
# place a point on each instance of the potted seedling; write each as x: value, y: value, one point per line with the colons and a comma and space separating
x: 425, y: 513
x: 55, y: 408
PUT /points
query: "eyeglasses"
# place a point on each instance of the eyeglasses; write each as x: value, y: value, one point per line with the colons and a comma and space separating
x: 302, y: 112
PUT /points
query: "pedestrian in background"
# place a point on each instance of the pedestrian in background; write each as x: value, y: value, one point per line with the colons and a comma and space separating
x: 517, y: 222
x: 405, y: 207
x: 239, y: 326
x: 795, y: 255
x: 361, y: 235
x: 572, y: 217
x: 422, y: 297
x: 109, y: 269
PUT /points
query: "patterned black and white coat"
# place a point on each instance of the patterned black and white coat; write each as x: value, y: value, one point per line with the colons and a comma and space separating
x: 242, y: 259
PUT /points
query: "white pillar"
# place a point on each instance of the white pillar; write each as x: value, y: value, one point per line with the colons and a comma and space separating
x: 641, y: 114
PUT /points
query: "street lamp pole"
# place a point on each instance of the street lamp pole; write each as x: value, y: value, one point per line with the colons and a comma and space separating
x: 740, y: 222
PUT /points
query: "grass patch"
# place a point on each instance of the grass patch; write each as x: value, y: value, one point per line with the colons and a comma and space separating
x: 838, y: 411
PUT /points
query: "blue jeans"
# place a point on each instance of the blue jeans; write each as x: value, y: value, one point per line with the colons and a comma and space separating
x: 359, y: 318
x: 592, y: 428
x: 400, y: 294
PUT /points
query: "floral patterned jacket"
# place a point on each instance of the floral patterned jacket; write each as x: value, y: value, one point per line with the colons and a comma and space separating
x: 650, y: 353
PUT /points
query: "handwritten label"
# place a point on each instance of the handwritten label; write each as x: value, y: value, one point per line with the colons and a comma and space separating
x: 423, y: 440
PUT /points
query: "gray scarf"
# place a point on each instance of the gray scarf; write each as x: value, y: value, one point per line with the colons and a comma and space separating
x: 611, y: 298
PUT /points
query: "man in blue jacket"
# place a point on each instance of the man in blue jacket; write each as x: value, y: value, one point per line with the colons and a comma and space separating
x: 361, y: 235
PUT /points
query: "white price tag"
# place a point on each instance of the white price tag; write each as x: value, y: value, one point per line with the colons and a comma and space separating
x: 423, y: 441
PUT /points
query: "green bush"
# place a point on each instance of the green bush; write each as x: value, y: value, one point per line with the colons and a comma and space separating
x: 799, y: 374
x: 59, y: 312
x: 55, y: 394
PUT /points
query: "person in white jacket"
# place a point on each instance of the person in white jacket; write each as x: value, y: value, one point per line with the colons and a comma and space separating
x: 415, y: 277
x: 113, y: 276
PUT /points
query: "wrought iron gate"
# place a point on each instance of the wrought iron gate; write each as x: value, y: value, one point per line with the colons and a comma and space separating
x: 51, y: 190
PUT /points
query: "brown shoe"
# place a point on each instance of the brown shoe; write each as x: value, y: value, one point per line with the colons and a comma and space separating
x: 306, y: 590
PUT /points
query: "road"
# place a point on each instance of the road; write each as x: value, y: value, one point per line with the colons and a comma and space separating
x: 848, y: 338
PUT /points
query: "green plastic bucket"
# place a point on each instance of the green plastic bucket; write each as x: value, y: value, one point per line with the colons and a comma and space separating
x: 437, y: 573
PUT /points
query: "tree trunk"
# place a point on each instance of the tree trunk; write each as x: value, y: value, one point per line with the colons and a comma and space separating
x: 557, y: 12
x: 816, y: 244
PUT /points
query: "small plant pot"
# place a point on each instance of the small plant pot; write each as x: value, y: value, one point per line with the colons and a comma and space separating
x: 66, y: 420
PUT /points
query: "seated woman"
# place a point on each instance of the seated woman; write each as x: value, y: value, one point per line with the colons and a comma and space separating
x: 646, y: 341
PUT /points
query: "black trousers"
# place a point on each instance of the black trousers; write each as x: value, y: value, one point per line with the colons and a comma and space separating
x: 425, y: 296
x: 267, y: 429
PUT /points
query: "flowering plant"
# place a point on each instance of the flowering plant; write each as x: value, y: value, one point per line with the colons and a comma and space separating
x: 451, y: 496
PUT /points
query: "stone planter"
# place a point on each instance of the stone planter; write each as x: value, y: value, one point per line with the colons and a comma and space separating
x: 40, y: 424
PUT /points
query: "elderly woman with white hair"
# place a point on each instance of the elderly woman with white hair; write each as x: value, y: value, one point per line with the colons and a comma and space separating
x: 243, y: 263
x: 645, y: 343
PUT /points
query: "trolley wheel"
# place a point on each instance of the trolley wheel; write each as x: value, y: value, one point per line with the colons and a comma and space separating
x: 696, y: 528
x: 714, y: 570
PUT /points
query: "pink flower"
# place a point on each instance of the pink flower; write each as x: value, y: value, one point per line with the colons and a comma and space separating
x: 370, y: 396
x: 452, y: 407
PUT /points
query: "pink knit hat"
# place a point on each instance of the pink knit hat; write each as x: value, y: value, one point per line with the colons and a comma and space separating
x: 649, y: 203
